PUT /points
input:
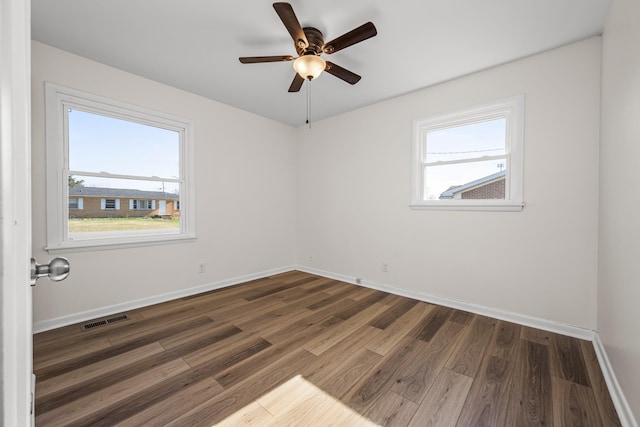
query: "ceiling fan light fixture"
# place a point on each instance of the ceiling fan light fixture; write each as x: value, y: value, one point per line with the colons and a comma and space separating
x: 309, y: 66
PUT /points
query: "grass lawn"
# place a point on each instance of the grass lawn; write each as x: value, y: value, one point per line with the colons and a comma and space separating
x: 79, y: 225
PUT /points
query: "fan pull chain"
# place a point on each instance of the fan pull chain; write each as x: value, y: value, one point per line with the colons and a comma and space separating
x: 309, y: 103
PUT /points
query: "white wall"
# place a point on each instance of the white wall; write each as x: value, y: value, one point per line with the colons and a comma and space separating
x: 245, y: 193
x: 354, y: 192
x: 619, y: 283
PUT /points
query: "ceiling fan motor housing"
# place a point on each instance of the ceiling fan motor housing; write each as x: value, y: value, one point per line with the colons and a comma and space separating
x: 316, y: 42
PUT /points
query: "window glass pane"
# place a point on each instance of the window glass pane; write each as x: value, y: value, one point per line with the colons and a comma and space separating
x: 472, y: 180
x: 104, y: 144
x: 116, y: 207
x: 474, y: 140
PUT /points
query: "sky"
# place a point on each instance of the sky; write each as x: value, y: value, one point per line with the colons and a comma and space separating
x: 472, y: 141
x: 105, y: 144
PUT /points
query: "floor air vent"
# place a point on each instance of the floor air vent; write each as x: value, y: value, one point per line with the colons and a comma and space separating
x: 104, y: 322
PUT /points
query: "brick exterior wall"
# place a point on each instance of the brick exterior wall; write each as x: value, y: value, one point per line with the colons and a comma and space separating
x: 91, y: 209
x: 492, y: 190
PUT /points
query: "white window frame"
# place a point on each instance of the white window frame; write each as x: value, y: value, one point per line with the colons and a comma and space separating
x: 58, y: 100
x: 512, y: 109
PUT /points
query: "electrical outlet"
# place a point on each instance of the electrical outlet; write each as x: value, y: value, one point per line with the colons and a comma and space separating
x: 385, y: 267
x: 310, y: 259
x: 202, y: 267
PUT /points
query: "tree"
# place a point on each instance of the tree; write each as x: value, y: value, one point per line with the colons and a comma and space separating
x: 75, y: 182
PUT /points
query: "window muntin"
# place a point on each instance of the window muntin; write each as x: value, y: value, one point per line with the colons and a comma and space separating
x: 471, y: 159
x: 101, y: 145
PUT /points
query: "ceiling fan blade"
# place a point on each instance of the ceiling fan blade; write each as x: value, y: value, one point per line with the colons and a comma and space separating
x: 296, y: 84
x: 363, y: 32
x: 342, y: 73
x: 259, y: 59
x: 290, y: 21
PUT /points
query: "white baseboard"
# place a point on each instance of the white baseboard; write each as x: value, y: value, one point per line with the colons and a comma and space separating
x: 521, y: 319
x: 59, y: 322
x: 619, y: 401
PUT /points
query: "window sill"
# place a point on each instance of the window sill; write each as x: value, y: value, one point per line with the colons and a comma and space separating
x: 90, y: 245
x: 466, y: 206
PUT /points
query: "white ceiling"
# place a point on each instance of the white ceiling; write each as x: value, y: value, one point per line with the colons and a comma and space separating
x: 194, y: 45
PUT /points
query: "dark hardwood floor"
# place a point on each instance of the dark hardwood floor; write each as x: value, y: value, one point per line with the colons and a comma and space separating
x: 297, y: 349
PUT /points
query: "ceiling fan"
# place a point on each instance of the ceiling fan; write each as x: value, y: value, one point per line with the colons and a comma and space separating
x: 309, y: 44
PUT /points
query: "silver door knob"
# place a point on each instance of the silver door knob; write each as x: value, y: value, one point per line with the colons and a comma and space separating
x: 56, y: 270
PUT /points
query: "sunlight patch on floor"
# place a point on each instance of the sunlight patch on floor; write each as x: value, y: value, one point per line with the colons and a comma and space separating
x: 296, y: 403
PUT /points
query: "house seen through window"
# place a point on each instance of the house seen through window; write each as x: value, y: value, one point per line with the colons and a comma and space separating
x: 123, y: 171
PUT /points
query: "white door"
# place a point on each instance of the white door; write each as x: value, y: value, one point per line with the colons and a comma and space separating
x: 162, y: 207
x: 15, y: 213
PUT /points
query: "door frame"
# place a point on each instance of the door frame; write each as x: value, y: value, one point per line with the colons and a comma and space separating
x: 16, y: 331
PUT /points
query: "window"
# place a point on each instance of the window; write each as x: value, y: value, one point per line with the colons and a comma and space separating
x: 470, y: 159
x: 142, y: 205
x: 106, y: 152
x: 110, y: 204
x: 75, y: 203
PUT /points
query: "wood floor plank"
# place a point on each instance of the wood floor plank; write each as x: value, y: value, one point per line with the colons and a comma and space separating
x: 532, y: 403
x: 396, y: 310
x: 416, y: 376
x: 468, y: 355
x: 253, y: 414
x: 164, y: 411
x: 442, y: 406
x: 345, y: 292
x: 363, y: 304
x: 47, y: 357
x: 390, y: 336
x: 426, y: 329
x: 299, y: 402
x: 536, y: 335
x: 361, y: 357
x: 103, y: 354
x: 242, y: 370
x: 123, y: 372
x: 488, y: 399
x: 381, y: 377
x: 607, y: 410
x: 569, y: 362
x: 463, y: 317
x: 247, y: 311
x: 326, y: 340
x: 391, y: 410
x: 237, y: 397
x: 248, y: 344
x: 86, y: 405
x: 574, y: 404
x: 90, y: 372
x: 504, y: 342
x: 342, y: 377
x: 207, y: 332
x: 319, y: 284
